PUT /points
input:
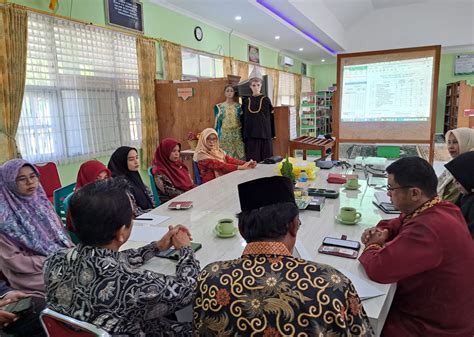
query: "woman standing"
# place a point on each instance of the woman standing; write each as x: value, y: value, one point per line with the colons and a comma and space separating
x: 124, y: 163
x: 30, y: 229
x: 228, y: 126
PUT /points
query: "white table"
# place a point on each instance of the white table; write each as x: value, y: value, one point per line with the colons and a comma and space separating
x: 219, y: 199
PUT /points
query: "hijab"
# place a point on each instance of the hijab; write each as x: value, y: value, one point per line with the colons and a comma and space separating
x: 28, y: 221
x: 462, y: 169
x: 118, y: 165
x: 465, y: 138
x: 203, y: 151
x: 176, y: 171
x: 89, y: 171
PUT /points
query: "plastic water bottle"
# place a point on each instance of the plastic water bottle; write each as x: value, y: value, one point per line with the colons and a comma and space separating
x: 303, y: 176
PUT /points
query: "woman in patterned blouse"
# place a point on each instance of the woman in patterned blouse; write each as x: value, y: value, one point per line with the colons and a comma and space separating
x: 212, y: 161
x: 97, y: 283
x: 171, y: 175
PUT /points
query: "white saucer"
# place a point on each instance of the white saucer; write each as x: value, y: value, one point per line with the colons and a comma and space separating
x: 347, y: 222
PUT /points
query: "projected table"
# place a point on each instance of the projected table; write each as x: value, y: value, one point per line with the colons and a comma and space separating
x: 311, y: 143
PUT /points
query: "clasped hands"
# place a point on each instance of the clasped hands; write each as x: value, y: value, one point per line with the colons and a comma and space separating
x: 5, y: 316
x: 374, y: 235
x: 248, y: 165
x: 177, y: 236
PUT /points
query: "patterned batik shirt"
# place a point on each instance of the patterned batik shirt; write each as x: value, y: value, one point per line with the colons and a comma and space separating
x: 267, y: 292
x: 105, y: 288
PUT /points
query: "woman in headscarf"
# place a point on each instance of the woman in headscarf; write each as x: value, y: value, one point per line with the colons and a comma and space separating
x: 462, y: 169
x: 171, y: 175
x: 212, y: 161
x: 124, y: 163
x: 89, y: 172
x: 30, y: 229
x: 458, y: 141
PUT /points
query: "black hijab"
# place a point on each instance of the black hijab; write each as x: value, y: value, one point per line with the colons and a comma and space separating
x: 118, y: 164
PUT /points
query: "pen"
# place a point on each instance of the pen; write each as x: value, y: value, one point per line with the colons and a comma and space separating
x: 143, y: 219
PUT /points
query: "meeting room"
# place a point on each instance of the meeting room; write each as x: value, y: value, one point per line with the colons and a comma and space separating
x: 236, y: 168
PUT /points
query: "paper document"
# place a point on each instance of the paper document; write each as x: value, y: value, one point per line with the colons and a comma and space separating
x: 364, y: 287
x: 150, y: 219
x: 381, y: 196
x: 147, y: 233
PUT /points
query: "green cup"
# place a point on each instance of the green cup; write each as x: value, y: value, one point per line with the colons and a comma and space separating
x: 349, y: 214
x: 225, y: 226
x: 352, y: 183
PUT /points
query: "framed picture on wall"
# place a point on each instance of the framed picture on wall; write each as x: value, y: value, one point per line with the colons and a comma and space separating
x: 126, y: 14
x: 303, y: 69
x: 254, y: 54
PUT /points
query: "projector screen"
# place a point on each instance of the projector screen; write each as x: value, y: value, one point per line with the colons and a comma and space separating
x: 387, y: 96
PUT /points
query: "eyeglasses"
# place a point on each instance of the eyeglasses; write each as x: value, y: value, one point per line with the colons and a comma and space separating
x: 26, y: 180
x: 390, y: 188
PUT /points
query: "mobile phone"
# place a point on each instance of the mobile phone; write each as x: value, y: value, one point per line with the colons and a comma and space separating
x: 173, y: 253
x: 341, y: 243
x: 19, y: 306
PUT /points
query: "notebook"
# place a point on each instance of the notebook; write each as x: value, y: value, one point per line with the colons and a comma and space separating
x: 180, y: 205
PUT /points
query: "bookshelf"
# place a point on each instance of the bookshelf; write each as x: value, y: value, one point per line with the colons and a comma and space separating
x: 316, y: 113
x: 459, y: 97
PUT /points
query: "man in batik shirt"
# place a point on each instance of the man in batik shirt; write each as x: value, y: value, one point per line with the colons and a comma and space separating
x: 267, y: 291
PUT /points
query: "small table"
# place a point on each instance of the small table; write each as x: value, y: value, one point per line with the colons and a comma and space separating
x: 311, y: 143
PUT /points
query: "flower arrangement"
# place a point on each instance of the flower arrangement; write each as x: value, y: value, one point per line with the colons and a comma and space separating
x: 284, y: 168
x: 193, y: 138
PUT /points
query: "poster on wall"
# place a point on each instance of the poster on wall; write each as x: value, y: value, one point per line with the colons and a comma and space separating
x: 126, y: 14
x: 464, y: 64
x: 254, y: 55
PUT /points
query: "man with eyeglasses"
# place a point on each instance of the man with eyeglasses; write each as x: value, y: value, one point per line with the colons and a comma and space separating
x: 428, y: 252
x: 267, y: 291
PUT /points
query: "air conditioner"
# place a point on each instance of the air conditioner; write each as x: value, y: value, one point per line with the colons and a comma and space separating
x: 286, y: 61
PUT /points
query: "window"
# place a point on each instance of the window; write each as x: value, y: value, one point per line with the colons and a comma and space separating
x: 81, y: 93
x: 200, y: 65
x: 306, y: 84
x: 286, y: 89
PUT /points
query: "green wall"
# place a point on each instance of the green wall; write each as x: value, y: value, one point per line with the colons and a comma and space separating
x: 159, y: 23
x: 326, y: 75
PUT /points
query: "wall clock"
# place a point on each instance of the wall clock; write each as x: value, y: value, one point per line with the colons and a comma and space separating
x: 198, y: 34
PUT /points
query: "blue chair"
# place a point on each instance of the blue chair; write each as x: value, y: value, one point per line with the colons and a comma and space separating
x: 59, y: 196
x: 197, y: 176
x: 154, y: 189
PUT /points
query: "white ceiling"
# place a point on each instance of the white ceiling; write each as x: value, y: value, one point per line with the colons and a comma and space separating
x: 342, y: 25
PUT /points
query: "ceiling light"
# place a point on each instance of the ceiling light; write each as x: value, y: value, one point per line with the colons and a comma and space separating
x: 277, y: 37
x: 238, y: 18
x: 301, y: 49
x: 323, y: 60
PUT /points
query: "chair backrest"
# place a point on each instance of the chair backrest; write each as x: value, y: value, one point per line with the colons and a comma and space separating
x: 49, y: 178
x: 197, y: 175
x: 60, y: 196
x: 154, y: 189
x: 59, y: 325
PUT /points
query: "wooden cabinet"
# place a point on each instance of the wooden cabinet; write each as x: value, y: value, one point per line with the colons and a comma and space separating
x: 285, y: 129
x: 459, y: 97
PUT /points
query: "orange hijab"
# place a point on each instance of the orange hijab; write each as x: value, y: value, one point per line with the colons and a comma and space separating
x: 203, y: 151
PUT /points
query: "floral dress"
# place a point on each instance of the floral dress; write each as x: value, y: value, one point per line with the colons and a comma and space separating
x: 229, y: 129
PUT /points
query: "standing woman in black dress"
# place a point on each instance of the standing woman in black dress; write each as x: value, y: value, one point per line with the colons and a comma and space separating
x: 257, y: 123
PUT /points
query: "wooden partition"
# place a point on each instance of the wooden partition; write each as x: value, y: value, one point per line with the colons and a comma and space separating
x: 177, y: 117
